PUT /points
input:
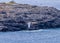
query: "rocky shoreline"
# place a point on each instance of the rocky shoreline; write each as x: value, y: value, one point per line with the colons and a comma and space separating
x: 18, y: 17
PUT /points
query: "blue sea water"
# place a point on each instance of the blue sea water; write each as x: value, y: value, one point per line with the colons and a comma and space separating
x: 36, y: 36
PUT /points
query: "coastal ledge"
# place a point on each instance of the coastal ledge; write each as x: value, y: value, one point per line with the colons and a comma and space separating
x: 17, y: 17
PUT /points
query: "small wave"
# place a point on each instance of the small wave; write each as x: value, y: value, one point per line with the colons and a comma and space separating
x: 33, y: 30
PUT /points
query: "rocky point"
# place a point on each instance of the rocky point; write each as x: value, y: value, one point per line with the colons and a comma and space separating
x: 16, y: 17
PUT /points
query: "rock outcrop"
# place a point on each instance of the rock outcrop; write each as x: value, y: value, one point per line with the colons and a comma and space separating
x: 17, y: 16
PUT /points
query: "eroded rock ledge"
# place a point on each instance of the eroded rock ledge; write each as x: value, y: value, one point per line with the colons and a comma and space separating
x: 27, y: 17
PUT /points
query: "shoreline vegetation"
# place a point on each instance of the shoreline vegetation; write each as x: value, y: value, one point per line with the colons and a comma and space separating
x: 16, y: 17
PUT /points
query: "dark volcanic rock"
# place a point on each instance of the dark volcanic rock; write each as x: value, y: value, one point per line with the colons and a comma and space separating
x: 16, y: 17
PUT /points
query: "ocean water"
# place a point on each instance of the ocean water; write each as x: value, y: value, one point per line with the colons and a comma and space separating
x: 36, y: 36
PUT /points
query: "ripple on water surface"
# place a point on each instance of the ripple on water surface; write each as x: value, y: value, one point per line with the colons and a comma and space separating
x: 36, y: 36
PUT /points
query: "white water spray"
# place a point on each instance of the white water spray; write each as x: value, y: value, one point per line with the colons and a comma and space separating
x: 29, y: 24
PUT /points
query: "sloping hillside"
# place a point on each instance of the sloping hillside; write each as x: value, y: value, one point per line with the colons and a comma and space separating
x: 15, y: 17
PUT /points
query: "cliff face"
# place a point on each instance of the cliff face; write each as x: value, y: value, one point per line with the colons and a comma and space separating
x: 17, y: 16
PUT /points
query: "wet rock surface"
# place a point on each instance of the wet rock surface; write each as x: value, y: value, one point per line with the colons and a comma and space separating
x: 16, y: 17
